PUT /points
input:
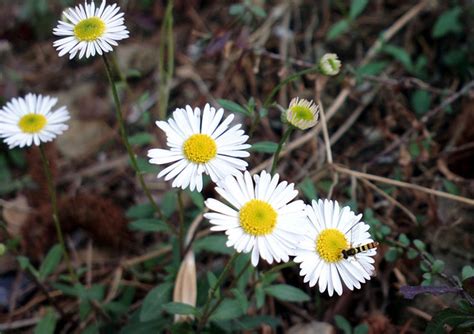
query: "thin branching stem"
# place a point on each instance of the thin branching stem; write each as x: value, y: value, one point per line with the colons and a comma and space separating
x: 123, y: 135
x: 212, y: 292
x: 54, y: 207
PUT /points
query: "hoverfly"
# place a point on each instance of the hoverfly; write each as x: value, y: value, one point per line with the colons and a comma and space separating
x: 355, y: 250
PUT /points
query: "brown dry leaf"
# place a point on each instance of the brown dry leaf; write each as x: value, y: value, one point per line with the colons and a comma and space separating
x: 15, y: 214
x: 185, y: 290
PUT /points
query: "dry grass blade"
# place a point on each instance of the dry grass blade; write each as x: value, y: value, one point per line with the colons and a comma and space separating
x: 185, y: 289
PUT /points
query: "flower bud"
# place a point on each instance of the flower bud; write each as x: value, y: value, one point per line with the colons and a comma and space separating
x: 329, y: 64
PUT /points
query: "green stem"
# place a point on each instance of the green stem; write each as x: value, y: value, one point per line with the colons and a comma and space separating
x: 289, y: 79
x: 276, y: 268
x: 123, y: 135
x: 166, y: 73
x: 54, y: 206
x: 206, y: 313
x: 284, y: 138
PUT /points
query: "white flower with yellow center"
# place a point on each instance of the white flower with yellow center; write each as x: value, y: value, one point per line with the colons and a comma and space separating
x: 302, y: 114
x: 200, y: 145
x: 30, y: 120
x: 332, y: 230
x: 90, y: 30
x: 259, y: 218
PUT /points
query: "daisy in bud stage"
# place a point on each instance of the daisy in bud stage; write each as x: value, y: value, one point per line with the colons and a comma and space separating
x: 90, y: 30
x: 31, y: 120
x: 328, y: 254
x: 260, y: 216
x: 329, y: 64
x: 200, y: 144
x: 302, y: 114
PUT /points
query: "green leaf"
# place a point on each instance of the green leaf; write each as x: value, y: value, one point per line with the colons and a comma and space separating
x: 343, y: 324
x: 145, y: 167
x: 47, y: 324
x: 140, y: 211
x: 197, y: 198
x: 287, y: 292
x: 308, y: 189
x: 391, y: 255
x: 148, y: 225
x: 451, y: 187
x: 467, y: 271
x: 357, y: 7
x: 25, y: 264
x: 438, y: 266
x: 228, y: 309
x: 420, y: 245
x: 242, y: 299
x: 420, y: 101
x: 399, y: 54
x: 403, y: 239
x: 140, y: 139
x: 448, y: 22
x: 154, y: 300
x: 264, y: 147
x: 372, y: 68
x: 213, y: 244
x: 414, y: 149
x: 361, y: 329
x: 211, y: 278
x: 259, y: 296
x: 168, y: 203
x: 233, y: 107
x: 448, y: 316
x: 412, y: 254
x: 51, y: 261
x: 179, y: 308
x: 338, y: 29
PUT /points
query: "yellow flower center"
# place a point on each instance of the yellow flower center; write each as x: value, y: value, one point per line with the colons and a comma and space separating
x: 199, y: 148
x: 330, y: 244
x: 89, y: 29
x: 257, y: 217
x: 301, y: 113
x: 32, y: 123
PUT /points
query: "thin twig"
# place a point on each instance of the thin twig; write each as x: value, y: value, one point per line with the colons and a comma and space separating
x: 401, y: 184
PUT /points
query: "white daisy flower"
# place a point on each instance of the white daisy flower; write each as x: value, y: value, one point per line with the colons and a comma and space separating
x: 302, y: 114
x: 30, y: 120
x: 326, y: 253
x: 90, y: 30
x: 200, y: 145
x: 259, y: 218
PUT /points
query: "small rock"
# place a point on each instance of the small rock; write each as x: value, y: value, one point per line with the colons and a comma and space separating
x: 312, y: 328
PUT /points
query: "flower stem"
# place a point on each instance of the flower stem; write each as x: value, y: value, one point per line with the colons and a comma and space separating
x: 54, y: 206
x: 206, y: 313
x: 285, y: 137
x: 123, y: 135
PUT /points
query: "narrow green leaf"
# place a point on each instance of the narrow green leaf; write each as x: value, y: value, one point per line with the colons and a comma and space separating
x: 467, y: 271
x: 213, y: 244
x: 197, y: 198
x: 357, y: 7
x: 420, y: 101
x: 399, y: 54
x: 179, y: 308
x: 259, y: 296
x: 287, y: 292
x: 338, y: 29
x: 148, y: 225
x: 47, y: 324
x: 152, y: 304
x: 242, y: 299
x: 51, y: 261
x: 448, y: 22
x: 308, y: 189
x: 140, y: 211
x: 141, y: 138
x: 228, y: 309
x: 451, y: 187
x: 361, y: 329
x: 343, y: 324
x: 233, y: 107
x: 447, y: 316
x: 264, y: 147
